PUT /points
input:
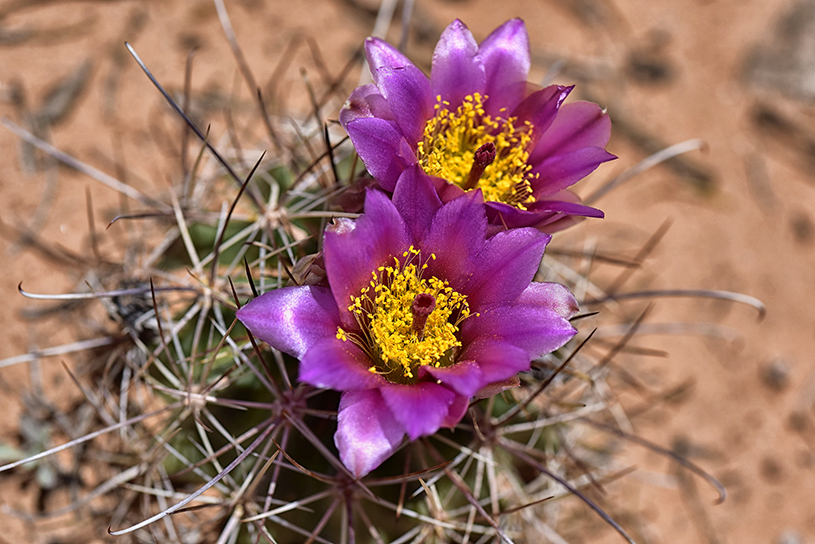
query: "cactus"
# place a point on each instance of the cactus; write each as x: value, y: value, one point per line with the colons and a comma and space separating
x: 194, y: 431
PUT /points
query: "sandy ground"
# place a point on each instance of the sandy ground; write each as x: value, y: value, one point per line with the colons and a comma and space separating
x: 667, y: 71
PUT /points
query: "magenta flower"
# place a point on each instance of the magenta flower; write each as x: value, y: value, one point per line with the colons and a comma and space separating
x: 422, y: 311
x: 472, y: 125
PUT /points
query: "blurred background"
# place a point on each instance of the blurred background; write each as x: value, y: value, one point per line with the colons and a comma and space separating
x: 736, y: 215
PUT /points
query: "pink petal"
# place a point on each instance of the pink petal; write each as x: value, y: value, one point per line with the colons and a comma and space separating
x: 553, y: 296
x: 417, y: 200
x: 536, y: 329
x: 498, y: 387
x: 365, y: 101
x: 456, y: 412
x: 568, y: 208
x: 407, y: 91
x: 456, y: 235
x: 510, y: 217
x: 339, y: 365
x: 457, y: 68
x: 420, y: 408
x: 506, y: 265
x: 447, y: 191
x: 367, y: 433
x: 350, y: 258
x: 292, y: 319
x: 380, y: 53
x: 464, y: 377
x: 497, y: 359
x: 539, y: 215
x: 505, y: 54
x: 541, y: 108
x: 382, y: 147
x: 558, y: 172
x: 578, y: 125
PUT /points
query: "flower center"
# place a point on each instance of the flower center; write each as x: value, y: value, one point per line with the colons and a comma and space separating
x: 406, y: 320
x: 453, y: 149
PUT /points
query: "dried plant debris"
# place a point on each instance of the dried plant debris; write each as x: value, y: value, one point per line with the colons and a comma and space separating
x: 31, y: 35
x: 785, y: 62
x: 782, y: 133
x: 58, y: 103
x: 650, y: 63
x: 699, y: 176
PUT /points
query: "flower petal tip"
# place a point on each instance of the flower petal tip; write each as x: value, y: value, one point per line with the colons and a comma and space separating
x: 367, y: 434
x: 380, y: 53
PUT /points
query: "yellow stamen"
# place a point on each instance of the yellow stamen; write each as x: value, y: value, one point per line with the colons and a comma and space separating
x: 385, y: 311
x: 450, y: 142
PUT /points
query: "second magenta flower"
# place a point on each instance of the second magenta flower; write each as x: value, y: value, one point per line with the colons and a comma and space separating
x: 473, y: 125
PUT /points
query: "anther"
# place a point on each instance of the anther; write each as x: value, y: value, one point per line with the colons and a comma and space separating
x: 483, y: 157
x: 423, y: 305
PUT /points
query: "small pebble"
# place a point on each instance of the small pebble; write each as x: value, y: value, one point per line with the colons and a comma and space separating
x: 798, y: 421
x: 776, y: 375
x: 802, y: 228
x: 771, y: 470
